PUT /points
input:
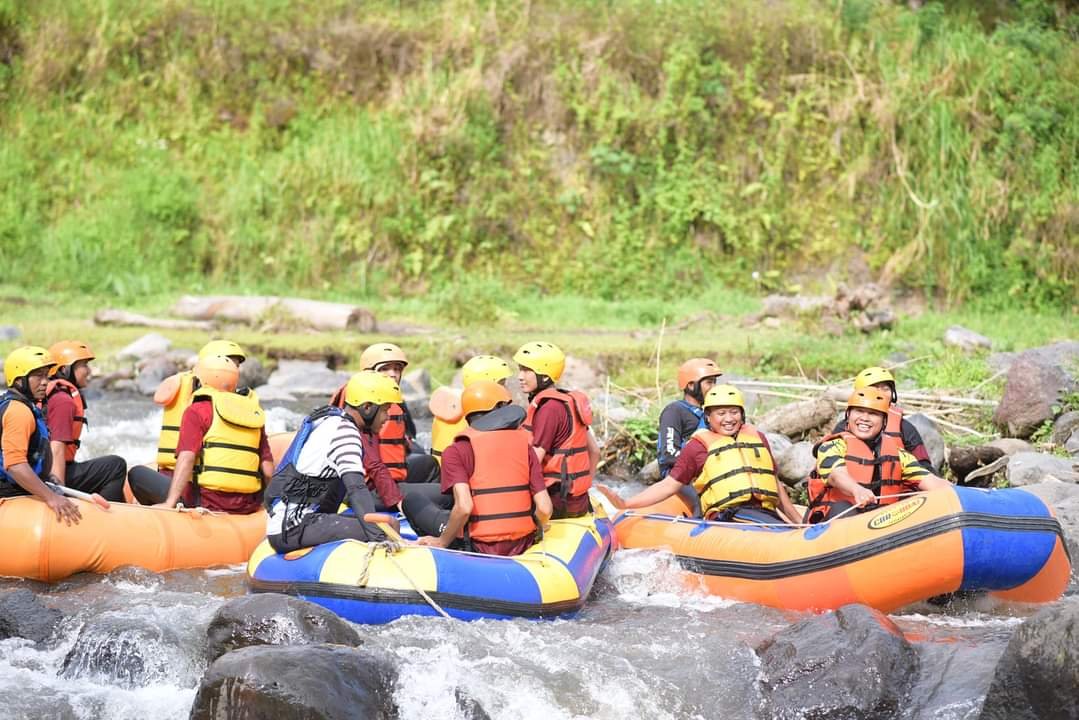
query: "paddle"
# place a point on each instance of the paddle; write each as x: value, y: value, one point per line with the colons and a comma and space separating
x: 389, y: 525
x: 78, y: 494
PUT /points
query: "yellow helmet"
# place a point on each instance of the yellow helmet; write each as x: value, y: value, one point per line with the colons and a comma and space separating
x: 369, y: 386
x: 482, y: 396
x: 380, y: 353
x: 485, y: 367
x: 542, y: 358
x: 873, y: 375
x: 724, y: 395
x: 20, y: 362
x: 218, y: 372
x: 222, y: 347
x: 69, y: 352
x: 869, y: 398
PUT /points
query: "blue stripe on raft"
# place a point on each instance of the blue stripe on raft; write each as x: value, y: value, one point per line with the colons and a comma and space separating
x: 372, y: 613
x: 1003, y: 559
x: 492, y: 577
x: 586, y: 560
x: 304, y: 569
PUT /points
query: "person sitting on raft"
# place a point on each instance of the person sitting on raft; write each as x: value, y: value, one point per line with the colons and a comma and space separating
x: 499, y: 497
x: 896, y: 425
x: 25, y: 455
x: 445, y: 403
x: 65, y: 414
x: 223, y: 458
x: 729, y: 464
x: 683, y: 417
x: 324, y: 466
x: 559, y: 421
x: 864, y: 466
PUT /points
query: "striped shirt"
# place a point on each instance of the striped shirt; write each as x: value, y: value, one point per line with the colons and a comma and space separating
x: 832, y: 455
x: 333, y: 448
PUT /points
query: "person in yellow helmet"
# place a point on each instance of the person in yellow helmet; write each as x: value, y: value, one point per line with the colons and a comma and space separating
x: 25, y: 455
x: 324, y: 466
x: 223, y: 458
x: 896, y: 425
x: 445, y: 402
x: 65, y: 414
x: 559, y: 421
x: 729, y: 464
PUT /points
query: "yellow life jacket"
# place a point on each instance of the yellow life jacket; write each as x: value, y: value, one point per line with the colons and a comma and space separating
x: 737, y: 470
x: 174, y: 393
x: 449, y: 422
x: 229, y: 460
x: 443, y: 433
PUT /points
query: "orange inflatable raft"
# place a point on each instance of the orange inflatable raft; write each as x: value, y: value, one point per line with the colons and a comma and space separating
x: 40, y: 548
x: 1005, y: 542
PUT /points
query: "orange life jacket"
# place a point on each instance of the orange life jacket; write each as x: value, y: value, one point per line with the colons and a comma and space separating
x: 338, y: 398
x: 79, y: 420
x: 862, y: 464
x: 501, y: 500
x: 568, y: 464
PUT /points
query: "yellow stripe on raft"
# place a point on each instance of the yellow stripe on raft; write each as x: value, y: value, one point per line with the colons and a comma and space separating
x: 40, y: 548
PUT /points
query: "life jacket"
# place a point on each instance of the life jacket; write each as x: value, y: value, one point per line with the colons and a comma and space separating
x: 393, y: 443
x: 501, y: 499
x: 38, y: 454
x: 449, y: 421
x: 698, y: 412
x: 229, y: 460
x: 174, y: 393
x: 568, y: 464
x: 881, y: 472
x: 78, y: 421
x: 737, y: 470
x: 307, y: 492
x: 443, y: 433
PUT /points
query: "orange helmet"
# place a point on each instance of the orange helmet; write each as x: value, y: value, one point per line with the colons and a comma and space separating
x: 218, y: 372
x: 380, y: 353
x: 69, y: 352
x: 483, y: 395
x: 696, y: 369
x: 869, y: 398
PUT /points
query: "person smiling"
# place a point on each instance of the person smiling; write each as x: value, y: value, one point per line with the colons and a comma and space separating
x: 863, y: 466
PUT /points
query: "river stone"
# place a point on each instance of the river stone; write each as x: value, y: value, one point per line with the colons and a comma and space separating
x: 146, y: 346
x: 1064, y: 355
x: 9, y: 333
x: 1038, y: 675
x: 964, y: 339
x: 304, y: 377
x: 22, y: 615
x: 1072, y: 445
x: 849, y: 664
x: 268, y: 393
x: 274, y: 619
x: 416, y: 383
x: 299, y: 682
x: 1063, y: 497
x: 1011, y: 446
x: 1028, y: 468
x: 649, y: 473
x: 796, y: 463
x: 153, y: 372
x: 1031, y: 394
x: 1064, y: 427
x: 779, y: 443
x: 130, y: 652
x: 253, y: 373
x: 931, y: 437
x: 580, y: 375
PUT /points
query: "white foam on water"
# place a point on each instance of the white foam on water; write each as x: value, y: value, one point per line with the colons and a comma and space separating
x: 135, y: 440
x: 654, y: 577
x: 974, y: 620
x: 281, y: 419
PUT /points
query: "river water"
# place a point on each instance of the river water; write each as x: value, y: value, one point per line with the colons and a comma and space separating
x: 132, y: 644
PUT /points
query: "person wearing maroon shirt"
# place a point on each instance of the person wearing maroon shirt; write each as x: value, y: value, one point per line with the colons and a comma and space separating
x: 493, y: 481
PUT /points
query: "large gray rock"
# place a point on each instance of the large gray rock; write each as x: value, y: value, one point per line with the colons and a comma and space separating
x: 1063, y: 497
x: 145, y: 347
x: 9, y: 333
x: 253, y: 373
x: 130, y: 652
x: 1011, y: 446
x: 1036, y: 380
x: 1072, y: 445
x: 849, y: 664
x: 274, y: 619
x: 416, y: 383
x: 964, y: 339
x: 796, y: 463
x: 303, y: 377
x: 1029, y: 468
x: 580, y: 375
x: 1064, y: 355
x: 269, y: 393
x: 779, y: 443
x: 23, y: 615
x: 153, y: 371
x: 1064, y: 427
x: 1038, y: 675
x: 649, y: 473
x: 931, y: 437
x: 300, y: 682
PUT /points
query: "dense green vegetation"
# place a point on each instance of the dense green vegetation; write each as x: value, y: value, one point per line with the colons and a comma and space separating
x: 607, y: 149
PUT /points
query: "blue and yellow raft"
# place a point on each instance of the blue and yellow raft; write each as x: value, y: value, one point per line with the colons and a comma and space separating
x: 374, y: 583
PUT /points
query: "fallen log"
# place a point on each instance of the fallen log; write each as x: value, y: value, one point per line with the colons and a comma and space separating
x: 252, y: 309
x: 122, y: 317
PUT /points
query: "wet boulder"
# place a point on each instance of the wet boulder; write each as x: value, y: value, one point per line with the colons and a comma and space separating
x: 853, y: 663
x: 130, y: 652
x: 308, y: 682
x: 1063, y: 497
x: 965, y: 339
x: 1038, y: 675
x: 931, y: 438
x: 796, y: 464
x: 274, y: 619
x: 253, y: 373
x: 580, y: 375
x: 1064, y: 427
x: 1035, y: 383
x: 303, y: 377
x: 153, y: 371
x: 1028, y: 468
x: 649, y: 473
x: 23, y: 615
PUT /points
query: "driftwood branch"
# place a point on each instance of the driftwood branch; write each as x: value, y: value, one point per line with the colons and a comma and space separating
x: 257, y: 308
x: 124, y: 318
